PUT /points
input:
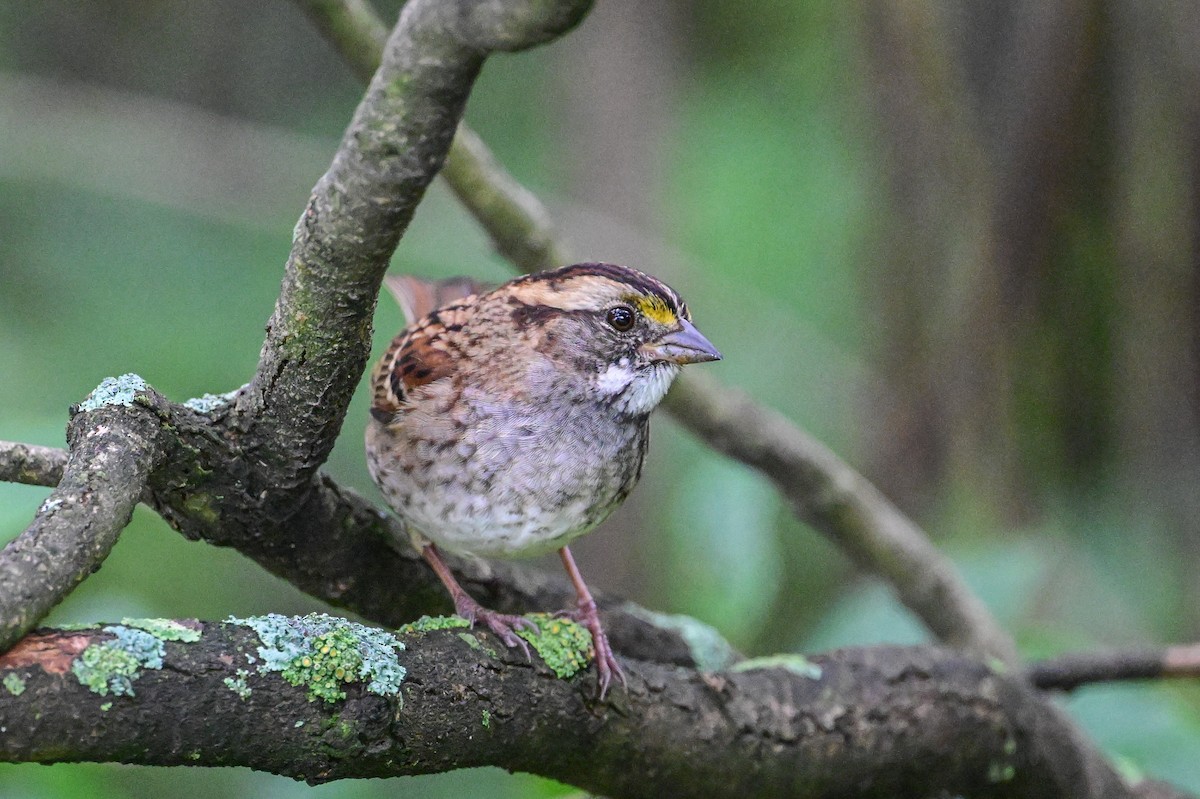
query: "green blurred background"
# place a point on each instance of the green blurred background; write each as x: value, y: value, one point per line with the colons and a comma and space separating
x: 957, y: 241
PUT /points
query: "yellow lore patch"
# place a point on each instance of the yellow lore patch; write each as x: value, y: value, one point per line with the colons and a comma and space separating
x: 655, y: 309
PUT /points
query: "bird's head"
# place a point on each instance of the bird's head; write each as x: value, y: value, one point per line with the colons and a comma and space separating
x: 623, y: 331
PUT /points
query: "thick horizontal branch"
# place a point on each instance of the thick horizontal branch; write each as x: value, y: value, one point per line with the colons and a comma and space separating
x: 881, y: 722
x: 821, y: 488
x: 115, y: 443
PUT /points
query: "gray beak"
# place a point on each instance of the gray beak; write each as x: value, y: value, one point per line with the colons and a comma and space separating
x: 685, y: 345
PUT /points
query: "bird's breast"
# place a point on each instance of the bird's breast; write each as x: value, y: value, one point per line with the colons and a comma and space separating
x: 507, y: 479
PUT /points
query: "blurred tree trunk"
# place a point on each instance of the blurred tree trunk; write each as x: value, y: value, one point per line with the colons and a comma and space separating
x: 1156, y: 210
x: 1037, y: 280
x: 984, y: 117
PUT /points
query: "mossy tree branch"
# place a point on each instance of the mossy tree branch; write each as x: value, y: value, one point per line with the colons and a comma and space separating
x: 116, y: 442
x: 319, y: 337
x: 879, y: 718
x: 518, y: 224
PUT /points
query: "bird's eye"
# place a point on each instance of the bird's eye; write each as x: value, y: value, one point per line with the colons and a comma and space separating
x: 620, y: 317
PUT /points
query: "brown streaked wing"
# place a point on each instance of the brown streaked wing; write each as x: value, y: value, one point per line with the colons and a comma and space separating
x: 416, y: 358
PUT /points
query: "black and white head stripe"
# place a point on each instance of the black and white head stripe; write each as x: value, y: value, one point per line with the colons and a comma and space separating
x: 637, y: 282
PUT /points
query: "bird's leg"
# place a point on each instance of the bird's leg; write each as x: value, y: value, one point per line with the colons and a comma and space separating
x: 606, y: 662
x: 502, y: 624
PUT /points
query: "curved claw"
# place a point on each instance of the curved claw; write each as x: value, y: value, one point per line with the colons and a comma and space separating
x: 586, y: 614
x: 503, y: 625
x: 606, y: 662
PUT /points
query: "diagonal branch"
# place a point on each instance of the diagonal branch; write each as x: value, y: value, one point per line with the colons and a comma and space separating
x: 856, y: 722
x: 821, y: 488
x: 518, y: 224
x: 825, y: 492
x: 319, y: 337
x: 112, y: 454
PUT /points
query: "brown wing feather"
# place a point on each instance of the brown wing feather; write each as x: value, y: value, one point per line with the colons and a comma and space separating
x: 420, y: 354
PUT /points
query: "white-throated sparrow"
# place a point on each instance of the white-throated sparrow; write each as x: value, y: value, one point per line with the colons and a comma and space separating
x: 505, y: 423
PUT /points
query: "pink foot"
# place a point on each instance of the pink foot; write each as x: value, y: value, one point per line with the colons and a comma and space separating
x: 502, y: 624
x: 606, y: 662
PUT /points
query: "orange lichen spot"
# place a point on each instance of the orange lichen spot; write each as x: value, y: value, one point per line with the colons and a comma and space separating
x: 52, y: 652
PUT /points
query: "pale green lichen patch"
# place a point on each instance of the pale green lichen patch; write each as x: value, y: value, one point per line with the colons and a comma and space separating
x: 562, y: 644
x: 709, y: 650
x: 114, y: 391
x: 210, y: 402
x: 112, y: 666
x: 165, y: 629
x: 323, y: 653
x: 78, y: 626
x: 796, y: 664
x: 429, y: 623
x: 203, y: 506
x: 13, y: 683
x: 487, y: 718
x: 238, y: 684
x: 1002, y: 770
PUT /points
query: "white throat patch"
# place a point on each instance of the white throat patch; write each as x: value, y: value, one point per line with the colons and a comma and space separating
x: 636, y: 392
x: 616, y: 378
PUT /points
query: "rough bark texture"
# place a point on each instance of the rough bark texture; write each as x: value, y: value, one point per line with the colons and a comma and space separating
x: 879, y: 722
x: 31, y: 464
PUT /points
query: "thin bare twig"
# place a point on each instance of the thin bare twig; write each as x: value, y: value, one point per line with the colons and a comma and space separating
x: 825, y: 492
x: 31, y: 464
x: 821, y: 488
x: 1068, y: 672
